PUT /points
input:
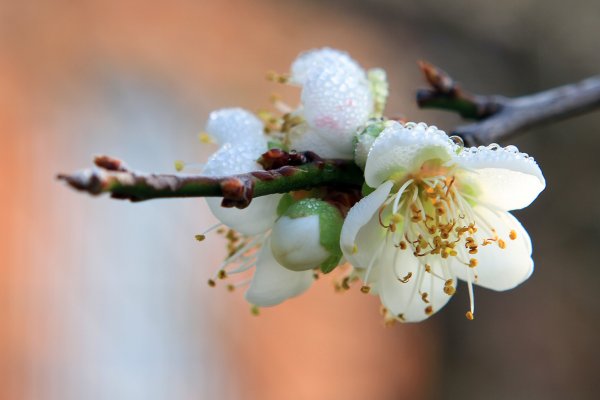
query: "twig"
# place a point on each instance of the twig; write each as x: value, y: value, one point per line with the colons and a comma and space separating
x: 500, y: 117
x: 285, y: 172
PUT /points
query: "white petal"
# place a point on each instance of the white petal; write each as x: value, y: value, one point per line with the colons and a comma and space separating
x: 404, y: 299
x: 295, y: 243
x: 233, y: 125
x: 230, y: 159
x: 272, y: 283
x: 502, y: 177
x: 361, y: 232
x: 499, y: 269
x: 258, y: 217
x: 236, y: 158
x: 336, y: 104
x: 319, y: 59
x: 303, y: 138
x: 402, y: 149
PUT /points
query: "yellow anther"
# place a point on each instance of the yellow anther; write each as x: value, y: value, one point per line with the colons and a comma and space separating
x: 254, y: 310
x: 354, y: 249
x: 512, y: 235
x: 449, y: 282
x: 473, y: 262
x: 473, y: 250
x: 396, y: 218
x: 470, y: 316
x: 402, y: 245
x: 205, y: 138
x: 230, y: 288
x: 427, y: 268
x: 501, y: 244
x: 392, y: 227
x: 428, y: 310
x: 346, y: 283
x: 222, y: 274
x: 401, y: 317
x: 365, y: 289
x: 449, y: 290
x: 275, y: 77
x: 424, y: 297
x: 179, y: 165
x: 200, y: 237
x: 211, y: 283
x: 406, y: 278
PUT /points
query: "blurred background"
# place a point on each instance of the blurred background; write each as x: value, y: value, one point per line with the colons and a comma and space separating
x: 101, y: 299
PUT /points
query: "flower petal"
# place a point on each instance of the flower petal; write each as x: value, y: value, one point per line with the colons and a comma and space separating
x: 230, y: 159
x: 402, y: 149
x: 336, y: 104
x: 319, y: 59
x: 304, y: 138
x: 502, y: 177
x: 500, y: 269
x: 272, y: 283
x: 404, y: 300
x: 234, y: 125
x: 361, y: 232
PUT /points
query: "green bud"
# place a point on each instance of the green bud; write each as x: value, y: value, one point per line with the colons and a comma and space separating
x: 364, y: 140
x: 307, y: 236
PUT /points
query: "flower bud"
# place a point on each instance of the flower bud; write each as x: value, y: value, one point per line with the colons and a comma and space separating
x: 307, y: 236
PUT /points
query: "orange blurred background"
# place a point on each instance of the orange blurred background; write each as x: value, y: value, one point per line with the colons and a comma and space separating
x: 101, y: 299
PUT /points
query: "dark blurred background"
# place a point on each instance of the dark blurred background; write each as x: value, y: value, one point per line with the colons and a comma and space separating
x: 102, y: 299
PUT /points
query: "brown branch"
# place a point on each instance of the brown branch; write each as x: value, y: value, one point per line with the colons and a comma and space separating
x: 500, y: 118
x: 284, y: 172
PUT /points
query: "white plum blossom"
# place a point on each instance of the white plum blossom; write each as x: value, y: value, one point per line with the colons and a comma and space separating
x: 439, y: 212
x: 337, y: 98
x: 242, y: 141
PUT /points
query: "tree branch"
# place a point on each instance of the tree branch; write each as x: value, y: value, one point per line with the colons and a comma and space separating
x: 500, y: 117
x: 284, y: 172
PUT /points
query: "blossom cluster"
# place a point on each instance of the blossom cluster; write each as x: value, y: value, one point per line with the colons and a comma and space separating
x: 431, y: 212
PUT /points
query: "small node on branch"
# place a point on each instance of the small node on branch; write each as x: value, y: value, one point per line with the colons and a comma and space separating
x: 110, y: 164
x: 445, y: 93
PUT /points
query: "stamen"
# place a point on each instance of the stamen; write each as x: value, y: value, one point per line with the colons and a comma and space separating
x: 512, y: 235
x: 202, y: 235
x: 399, y: 195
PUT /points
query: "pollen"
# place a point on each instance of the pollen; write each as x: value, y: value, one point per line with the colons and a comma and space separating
x: 501, y: 244
x: 354, y: 249
x: 470, y: 316
x: 222, y: 274
x: 473, y: 262
x: 205, y: 138
x: 428, y: 310
x: 211, y: 283
x: 365, y: 289
x: 512, y: 235
x: 200, y: 237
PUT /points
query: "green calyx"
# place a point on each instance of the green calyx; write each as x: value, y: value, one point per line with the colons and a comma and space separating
x: 330, y: 226
x: 363, y: 140
x: 379, y: 89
